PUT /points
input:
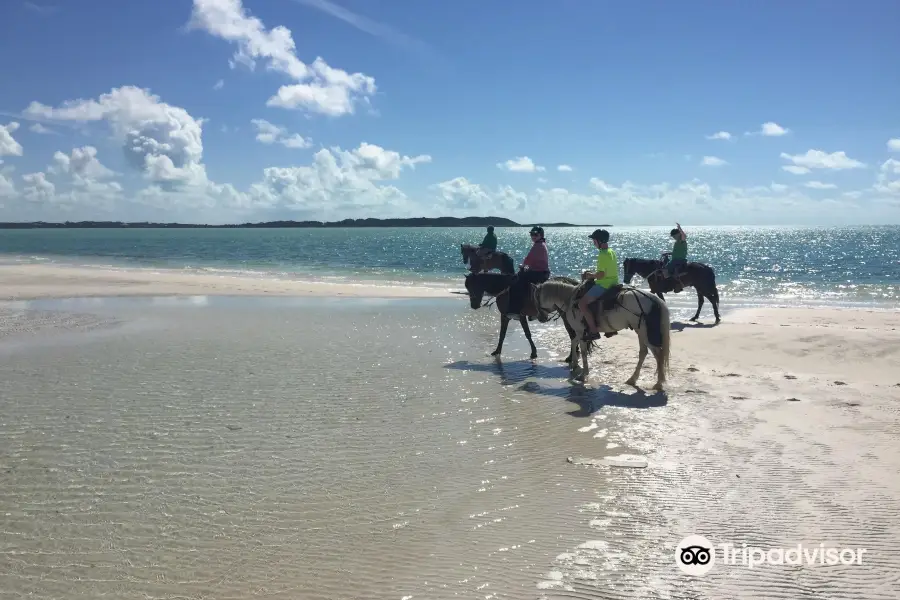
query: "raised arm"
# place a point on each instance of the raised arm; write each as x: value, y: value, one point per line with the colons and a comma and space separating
x: 681, y: 231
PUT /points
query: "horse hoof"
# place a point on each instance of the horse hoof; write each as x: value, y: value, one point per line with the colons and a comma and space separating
x: 658, y: 387
x: 692, y: 319
x: 495, y: 353
x: 632, y: 382
x: 534, y: 356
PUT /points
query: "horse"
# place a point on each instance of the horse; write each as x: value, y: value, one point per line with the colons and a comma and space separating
x: 697, y: 275
x: 497, y: 285
x: 624, y: 307
x: 494, y: 260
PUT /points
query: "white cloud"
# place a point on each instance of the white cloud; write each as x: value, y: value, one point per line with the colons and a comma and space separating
x: 38, y: 128
x: 81, y: 164
x: 894, y: 144
x: 712, y: 161
x: 891, y: 166
x: 600, y: 185
x: 320, y: 88
x: 7, y: 188
x: 795, y: 169
x: 520, y: 164
x: 565, y: 168
x: 719, y: 135
x: 542, y: 180
x: 37, y: 188
x: 219, y: 84
x: 773, y: 129
x: 818, y: 185
x: 8, y: 145
x: 268, y: 133
x: 887, y: 181
x: 163, y: 141
x: 770, y: 129
x: 461, y: 196
x: 817, y: 159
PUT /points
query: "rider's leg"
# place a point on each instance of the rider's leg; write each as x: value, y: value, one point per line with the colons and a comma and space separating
x: 584, y: 306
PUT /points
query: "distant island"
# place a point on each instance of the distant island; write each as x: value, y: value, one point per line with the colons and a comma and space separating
x: 412, y: 222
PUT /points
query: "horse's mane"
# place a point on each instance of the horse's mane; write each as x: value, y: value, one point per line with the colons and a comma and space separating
x: 559, y: 292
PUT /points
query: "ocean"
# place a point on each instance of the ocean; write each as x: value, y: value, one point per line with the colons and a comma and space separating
x: 788, y: 265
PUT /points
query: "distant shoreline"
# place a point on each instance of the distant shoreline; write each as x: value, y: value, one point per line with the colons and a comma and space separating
x: 411, y: 222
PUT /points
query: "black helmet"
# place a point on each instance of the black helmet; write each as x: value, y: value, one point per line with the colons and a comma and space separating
x: 601, y: 235
x: 490, y: 228
x: 537, y: 229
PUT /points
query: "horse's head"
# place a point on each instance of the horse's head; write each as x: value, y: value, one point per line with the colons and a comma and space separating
x: 537, y: 298
x: 628, y: 268
x: 476, y: 293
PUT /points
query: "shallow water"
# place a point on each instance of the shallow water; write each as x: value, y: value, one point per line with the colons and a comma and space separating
x: 303, y: 448
x: 786, y: 264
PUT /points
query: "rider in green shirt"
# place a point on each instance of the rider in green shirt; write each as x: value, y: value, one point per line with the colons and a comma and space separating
x: 606, y: 276
x: 489, y: 243
x: 678, y: 260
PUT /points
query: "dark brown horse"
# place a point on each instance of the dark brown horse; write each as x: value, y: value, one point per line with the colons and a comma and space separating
x: 481, y: 261
x: 697, y: 275
x: 479, y: 285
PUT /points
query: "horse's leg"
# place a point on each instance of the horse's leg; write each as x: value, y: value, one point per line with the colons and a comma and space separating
x: 584, y: 357
x: 642, y: 355
x: 504, y: 323
x: 524, y: 321
x: 699, y: 304
x: 714, y: 299
x: 571, y: 333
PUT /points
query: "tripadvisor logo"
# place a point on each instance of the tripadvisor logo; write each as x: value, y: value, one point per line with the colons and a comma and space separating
x: 695, y: 555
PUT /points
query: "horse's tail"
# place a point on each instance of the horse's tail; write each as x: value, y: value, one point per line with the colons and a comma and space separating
x: 508, y: 265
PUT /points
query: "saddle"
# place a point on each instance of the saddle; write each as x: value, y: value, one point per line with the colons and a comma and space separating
x: 606, y: 302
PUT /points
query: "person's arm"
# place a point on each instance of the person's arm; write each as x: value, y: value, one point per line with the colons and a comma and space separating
x: 681, y: 231
x: 528, y: 257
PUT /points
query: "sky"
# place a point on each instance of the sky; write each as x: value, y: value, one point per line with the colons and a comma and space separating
x: 229, y: 111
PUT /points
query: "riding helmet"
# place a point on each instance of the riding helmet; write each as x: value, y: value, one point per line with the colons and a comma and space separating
x: 601, y: 235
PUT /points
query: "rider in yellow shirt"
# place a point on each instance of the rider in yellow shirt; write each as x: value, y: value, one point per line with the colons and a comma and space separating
x: 606, y: 276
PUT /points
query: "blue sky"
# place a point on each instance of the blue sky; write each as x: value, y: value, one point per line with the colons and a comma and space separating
x: 414, y: 108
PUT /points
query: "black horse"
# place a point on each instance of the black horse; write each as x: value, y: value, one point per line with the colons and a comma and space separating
x: 694, y: 274
x: 497, y: 285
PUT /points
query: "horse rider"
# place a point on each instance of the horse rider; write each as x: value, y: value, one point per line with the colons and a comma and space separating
x: 534, y: 269
x: 488, y: 244
x: 606, y: 276
x: 678, y: 259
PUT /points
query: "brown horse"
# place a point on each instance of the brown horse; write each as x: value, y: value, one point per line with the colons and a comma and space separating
x: 482, y: 261
x: 479, y: 285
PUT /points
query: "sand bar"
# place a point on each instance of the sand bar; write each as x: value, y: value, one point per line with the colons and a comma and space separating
x: 23, y: 282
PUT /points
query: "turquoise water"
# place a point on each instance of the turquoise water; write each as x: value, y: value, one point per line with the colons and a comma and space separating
x: 844, y: 264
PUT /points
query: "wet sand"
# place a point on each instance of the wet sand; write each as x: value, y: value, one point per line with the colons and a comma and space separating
x: 228, y: 447
x: 30, y: 281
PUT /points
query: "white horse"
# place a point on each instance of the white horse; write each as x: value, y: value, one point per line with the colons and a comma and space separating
x: 630, y: 308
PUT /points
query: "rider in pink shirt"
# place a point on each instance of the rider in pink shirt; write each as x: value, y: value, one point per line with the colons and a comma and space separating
x: 538, y: 271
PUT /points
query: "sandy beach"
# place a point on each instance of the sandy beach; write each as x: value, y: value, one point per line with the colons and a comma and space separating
x: 291, y: 447
x: 25, y: 282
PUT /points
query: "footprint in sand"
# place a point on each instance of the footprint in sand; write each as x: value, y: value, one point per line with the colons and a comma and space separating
x: 793, y: 399
x: 790, y: 377
x: 839, y: 383
x: 730, y: 375
x: 695, y: 369
x: 738, y: 397
x: 851, y: 403
x: 695, y: 392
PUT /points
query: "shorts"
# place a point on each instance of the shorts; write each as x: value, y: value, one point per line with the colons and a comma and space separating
x: 595, y: 292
